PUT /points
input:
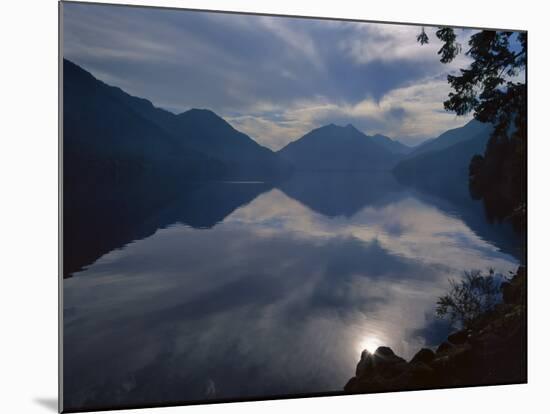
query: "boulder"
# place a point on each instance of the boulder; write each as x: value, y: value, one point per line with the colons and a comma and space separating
x: 385, y: 356
x: 424, y: 356
x: 379, y: 366
x: 444, y: 347
x: 386, y: 363
x: 491, y: 351
x: 365, y: 364
x: 458, y: 338
x: 419, y: 374
x: 384, y: 351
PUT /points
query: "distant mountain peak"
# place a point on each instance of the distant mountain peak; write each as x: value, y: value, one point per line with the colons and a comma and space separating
x: 202, y: 111
x: 338, y: 148
x: 336, y: 128
x: 391, y: 144
x: 331, y: 125
x: 197, y: 138
x: 352, y: 128
x: 206, y: 118
x: 453, y: 136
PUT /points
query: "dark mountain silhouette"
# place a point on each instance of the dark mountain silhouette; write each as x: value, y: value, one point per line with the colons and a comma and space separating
x: 456, y: 201
x: 426, y: 141
x: 121, y: 164
x: 203, y: 130
x: 118, y: 124
x: 209, y: 134
x: 100, y: 128
x: 443, y: 165
x: 130, y: 168
x: 391, y: 145
x: 131, y: 211
x: 337, y: 148
x: 344, y: 194
x: 441, y: 178
x: 451, y: 137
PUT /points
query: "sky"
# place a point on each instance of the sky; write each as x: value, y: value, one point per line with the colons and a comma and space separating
x: 273, y: 78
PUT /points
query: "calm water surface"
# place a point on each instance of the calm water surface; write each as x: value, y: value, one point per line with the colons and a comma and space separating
x: 276, y: 296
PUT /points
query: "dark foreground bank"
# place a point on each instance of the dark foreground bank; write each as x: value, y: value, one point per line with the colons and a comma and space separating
x: 493, y: 350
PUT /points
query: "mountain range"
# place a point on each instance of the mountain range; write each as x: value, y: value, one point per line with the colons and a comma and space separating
x: 445, y: 158
x: 337, y: 148
x: 451, y: 137
x: 124, y: 158
x: 109, y: 133
x: 391, y: 145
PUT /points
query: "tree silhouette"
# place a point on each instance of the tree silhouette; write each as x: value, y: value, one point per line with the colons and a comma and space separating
x: 470, y: 298
x: 492, y: 89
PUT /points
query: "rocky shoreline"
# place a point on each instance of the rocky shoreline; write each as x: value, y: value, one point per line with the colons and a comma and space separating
x: 491, y: 351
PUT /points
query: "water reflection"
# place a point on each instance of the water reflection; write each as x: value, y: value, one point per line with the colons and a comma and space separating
x: 278, y: 298
x: 104, y: 218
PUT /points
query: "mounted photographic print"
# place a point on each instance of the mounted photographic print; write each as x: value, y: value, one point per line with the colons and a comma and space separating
x: 258, y: 207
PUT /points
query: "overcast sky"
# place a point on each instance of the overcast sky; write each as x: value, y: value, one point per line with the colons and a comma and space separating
x: 273, y: 78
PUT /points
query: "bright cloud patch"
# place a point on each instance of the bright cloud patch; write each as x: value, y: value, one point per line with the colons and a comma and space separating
x: 273, y: 78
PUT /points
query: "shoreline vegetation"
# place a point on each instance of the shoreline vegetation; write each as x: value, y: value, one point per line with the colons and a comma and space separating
x: 490, y: 350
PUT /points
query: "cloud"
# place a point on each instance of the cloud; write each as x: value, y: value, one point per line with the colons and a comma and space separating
x: 392, y: 42
x: 386, y: 43
x: 412, y: 113
x: 440, y: 239
x: 273, y: 134
x: 297, y: 40
x: 274, y: 78
x: 260, y: 311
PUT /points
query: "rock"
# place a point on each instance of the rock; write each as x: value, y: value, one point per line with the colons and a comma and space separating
x: 385, y: 351
x: 488, y: 340
x: 460, y: 354
x: 453, y: 360
x: 365, y: 364
x: 444, y: 347
x: 440, y: 362
x: 376, y: 368
x: 458, y: 338
x: 386, y: 363
x: 384, y: 356
x: 514, y: 291
x: 420, y: 374
x: 351, y: 385
x: 492, y: 350
x: 424, y: 356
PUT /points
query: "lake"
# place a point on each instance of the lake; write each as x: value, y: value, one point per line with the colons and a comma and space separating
x: 248, y: 289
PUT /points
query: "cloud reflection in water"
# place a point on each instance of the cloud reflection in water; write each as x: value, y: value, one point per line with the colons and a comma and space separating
x: 277, y: 299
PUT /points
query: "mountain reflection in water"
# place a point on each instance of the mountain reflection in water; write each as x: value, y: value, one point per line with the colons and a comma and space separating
x: 243, y: 290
